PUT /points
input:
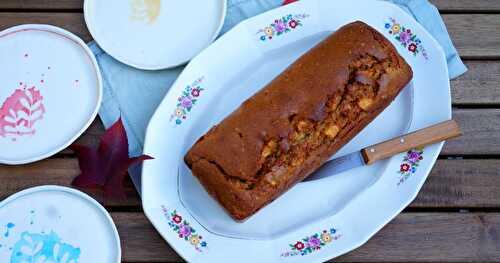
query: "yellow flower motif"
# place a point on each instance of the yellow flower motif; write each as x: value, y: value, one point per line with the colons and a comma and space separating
x: 396, y: 28
x: 194, y: 240
x: 326, y: 237
x: 269, y: 31
x: 179, y: 112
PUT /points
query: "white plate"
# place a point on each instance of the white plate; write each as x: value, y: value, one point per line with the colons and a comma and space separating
x: 50, y: 91
x: 154, y: 34
x: 330, y: 216
x: 56, y: 224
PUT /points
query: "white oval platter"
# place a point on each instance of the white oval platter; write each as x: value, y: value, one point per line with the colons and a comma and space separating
x: 315, y: 220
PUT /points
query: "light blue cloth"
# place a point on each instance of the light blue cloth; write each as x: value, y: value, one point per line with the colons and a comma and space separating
x: 134, y: 94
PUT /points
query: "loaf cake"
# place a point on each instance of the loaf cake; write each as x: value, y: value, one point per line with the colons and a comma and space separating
x: 293, y: 125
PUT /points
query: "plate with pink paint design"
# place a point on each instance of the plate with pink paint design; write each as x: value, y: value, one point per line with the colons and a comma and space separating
x: 315, y: 220
x: 50, y: 91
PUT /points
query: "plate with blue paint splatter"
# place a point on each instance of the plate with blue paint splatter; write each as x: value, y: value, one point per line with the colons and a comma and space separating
x: 56, y: 224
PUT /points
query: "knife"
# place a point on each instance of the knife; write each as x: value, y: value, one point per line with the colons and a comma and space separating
x: 430, y: 135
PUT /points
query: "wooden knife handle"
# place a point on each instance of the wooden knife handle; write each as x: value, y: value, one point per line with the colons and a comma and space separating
x: 430, y: 135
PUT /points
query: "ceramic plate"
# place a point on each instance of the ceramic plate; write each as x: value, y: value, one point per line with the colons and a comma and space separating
x: 56, y: 224
x: 154, y: 34
x: 315, y: 220
x: 50, y: 91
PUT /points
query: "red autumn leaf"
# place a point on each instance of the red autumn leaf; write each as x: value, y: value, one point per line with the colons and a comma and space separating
x: 286, y: 2
x: 105, y: 168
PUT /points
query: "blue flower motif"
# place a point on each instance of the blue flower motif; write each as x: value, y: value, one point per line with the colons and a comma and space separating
x: 387, y: 25
x: 418, y: 41
x: 333, y: 231
x: 413, y: 169
x: 178, y: 121
x: 263, y: 38
x: 203, y: 244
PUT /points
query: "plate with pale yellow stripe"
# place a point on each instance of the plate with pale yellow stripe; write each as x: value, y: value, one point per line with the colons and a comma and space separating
x: 154, y: 34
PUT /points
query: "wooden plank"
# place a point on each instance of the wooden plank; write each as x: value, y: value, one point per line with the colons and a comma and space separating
x: 73, y: 22
x: 53, y: 172
x: 452, y: 183
x: 481, y: 133
x: 461, y: 184
x: 473, y: 34
x: 411, y: 237
x: 443, y: 5
x: 41, y: 4
x: 479, y: 85
x: 436, y: 237
x: 467, y: 5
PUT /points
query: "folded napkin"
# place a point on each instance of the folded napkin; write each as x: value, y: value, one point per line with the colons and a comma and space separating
x: 134, y: 94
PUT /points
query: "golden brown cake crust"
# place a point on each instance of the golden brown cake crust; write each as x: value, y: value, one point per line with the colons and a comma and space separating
x: 288, y: 129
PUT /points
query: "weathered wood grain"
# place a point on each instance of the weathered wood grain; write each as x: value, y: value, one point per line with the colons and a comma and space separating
x: 443, y: 5
x: 456, y: 184
x: 475, y: 35
x: 479, y: 85
x: 73, y: 22
x: 467, y: 5
x: 481, y: 133
x: 41, y: 4
x: 461, y: 184
x: 439, y: 237
x: 53, y: 172
x: 411, y: 237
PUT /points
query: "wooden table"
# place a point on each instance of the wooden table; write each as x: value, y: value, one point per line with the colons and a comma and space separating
x: 456, y: 216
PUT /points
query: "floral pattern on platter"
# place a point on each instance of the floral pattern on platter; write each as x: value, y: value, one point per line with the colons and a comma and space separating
x: 406, y: 37
x: 410, y: 164
x: 281, y: 26
x: 312, y: 243
x: 186, y: 101
x: 184, y: 229
x: 20, y: 111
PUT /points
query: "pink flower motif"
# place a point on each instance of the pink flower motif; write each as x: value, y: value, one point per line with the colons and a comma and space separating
x: 293, y: 23
x: 412, y: 47
x: 404, y: 167
x: 195, y: 92
x: 177, y: 219
x: 299, y: 245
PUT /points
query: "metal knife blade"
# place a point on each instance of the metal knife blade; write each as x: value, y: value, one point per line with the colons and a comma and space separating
x: 338, y: 165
